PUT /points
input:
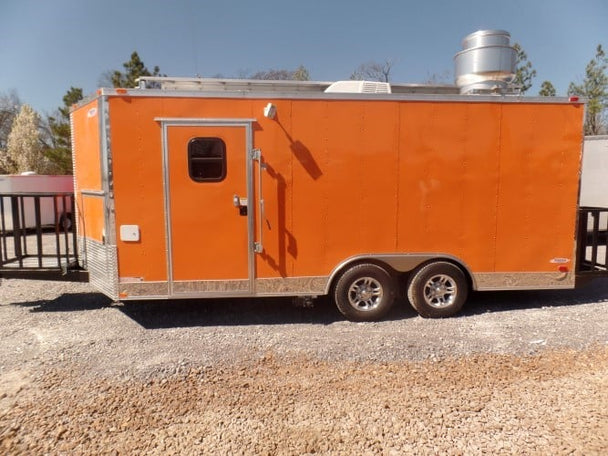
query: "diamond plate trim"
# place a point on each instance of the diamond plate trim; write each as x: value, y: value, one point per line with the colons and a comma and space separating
x: 523, y: 280
x: 285, y: 286
x: 211, y: 286
x: 102, y: 264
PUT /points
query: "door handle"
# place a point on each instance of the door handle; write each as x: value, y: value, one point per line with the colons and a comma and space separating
x: 241, y: 203
x: 259, y: 245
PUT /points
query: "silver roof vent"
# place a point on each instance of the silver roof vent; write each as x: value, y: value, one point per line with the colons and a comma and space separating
x: 486, y: 64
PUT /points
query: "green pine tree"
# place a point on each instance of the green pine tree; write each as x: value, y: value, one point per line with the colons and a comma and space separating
x: 134, y: 69
x: 524, y: 73
x: 595, y: 89
x: 59, y: 151
x: 547, y: 89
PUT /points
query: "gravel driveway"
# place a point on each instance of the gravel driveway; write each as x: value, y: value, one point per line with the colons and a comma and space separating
x: 515, y: 373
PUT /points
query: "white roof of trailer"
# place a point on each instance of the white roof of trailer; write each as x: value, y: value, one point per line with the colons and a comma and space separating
x: 176, y: 87
x: 287, y: 86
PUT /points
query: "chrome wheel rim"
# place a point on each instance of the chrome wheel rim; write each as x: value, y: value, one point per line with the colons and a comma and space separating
x: 365, y: 293
x: 440, y: 291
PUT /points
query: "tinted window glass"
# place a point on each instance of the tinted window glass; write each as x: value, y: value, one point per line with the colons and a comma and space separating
x: 207, y: 159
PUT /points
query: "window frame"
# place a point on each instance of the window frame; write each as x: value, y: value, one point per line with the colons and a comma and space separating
x: 221, y: 159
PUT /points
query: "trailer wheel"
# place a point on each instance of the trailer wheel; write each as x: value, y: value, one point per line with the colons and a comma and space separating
x: 365, y: 292
x: 438, y: 290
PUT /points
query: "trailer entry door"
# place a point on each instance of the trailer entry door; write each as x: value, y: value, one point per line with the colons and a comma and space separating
x: 207, y: 176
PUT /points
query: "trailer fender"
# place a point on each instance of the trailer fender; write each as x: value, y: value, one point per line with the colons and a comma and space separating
x: 400, y: 263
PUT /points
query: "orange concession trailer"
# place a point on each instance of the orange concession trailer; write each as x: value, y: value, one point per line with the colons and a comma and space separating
x: 369, y: 193
x: 202, y: 188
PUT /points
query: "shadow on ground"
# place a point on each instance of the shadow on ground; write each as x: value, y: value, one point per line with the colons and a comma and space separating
x: 225, y: 312
x: 276, y: 311
x: 502, y: 301
x: 237, y: 312
x: 172, y: 313
x: 69, y: 302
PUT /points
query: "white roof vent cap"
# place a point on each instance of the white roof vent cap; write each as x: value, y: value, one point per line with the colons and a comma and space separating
x: 359, y: 87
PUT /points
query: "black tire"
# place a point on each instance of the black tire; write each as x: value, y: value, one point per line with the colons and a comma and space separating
x: 438, y: 290
x: 364, y: 292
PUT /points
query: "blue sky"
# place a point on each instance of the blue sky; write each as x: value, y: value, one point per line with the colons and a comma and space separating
x: 46, y: 46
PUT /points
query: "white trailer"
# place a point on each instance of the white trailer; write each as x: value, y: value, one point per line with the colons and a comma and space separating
x: 53, y: 210
x: 595, y: 172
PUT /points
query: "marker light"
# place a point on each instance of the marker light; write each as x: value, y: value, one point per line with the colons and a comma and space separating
x: 270, y: 111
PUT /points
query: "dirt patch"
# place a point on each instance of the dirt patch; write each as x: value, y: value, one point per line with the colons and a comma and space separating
x: 516, y: 373
x: 486, y: 404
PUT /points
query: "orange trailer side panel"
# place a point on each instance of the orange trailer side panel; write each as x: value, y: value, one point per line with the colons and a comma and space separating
x: 353, y: 177
x: 91, y: 222
x: 87, y: 155
x: 344, y: 182
x: 281, y: 152
x: 539, y: 175
x: 138, y: 186
x: 87, y: 170
x: 449, y: 180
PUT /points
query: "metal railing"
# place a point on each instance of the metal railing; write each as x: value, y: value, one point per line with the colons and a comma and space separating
x: 592, y: 241
x: 37, y: 236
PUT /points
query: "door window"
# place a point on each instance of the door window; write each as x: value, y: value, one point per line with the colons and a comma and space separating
x: 207, y: 159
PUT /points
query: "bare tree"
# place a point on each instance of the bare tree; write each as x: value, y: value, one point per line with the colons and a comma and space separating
x: 445, y: 77
x: 105, y: 79
x: 373, y: 71
x: 299, y: 74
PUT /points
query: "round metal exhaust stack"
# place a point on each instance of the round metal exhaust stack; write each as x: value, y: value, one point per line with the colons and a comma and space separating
x: 486, y: 64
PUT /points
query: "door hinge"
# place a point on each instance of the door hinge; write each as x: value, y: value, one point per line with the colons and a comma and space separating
x: 255, y: 154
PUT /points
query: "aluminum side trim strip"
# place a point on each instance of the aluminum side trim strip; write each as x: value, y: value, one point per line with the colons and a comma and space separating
x: 487, y: 281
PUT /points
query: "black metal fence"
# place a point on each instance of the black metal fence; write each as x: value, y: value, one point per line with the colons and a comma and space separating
x: 37, y: 236
x: 592, y: 241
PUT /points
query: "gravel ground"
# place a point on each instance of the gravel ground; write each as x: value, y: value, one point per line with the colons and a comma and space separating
x: 515, y: 373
